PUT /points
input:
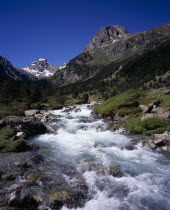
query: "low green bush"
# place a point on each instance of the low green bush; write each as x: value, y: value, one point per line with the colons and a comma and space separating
x: 18, y: 145
x: 6, y: 133
x: 5, y: 111
x: 155, y: 125
x: 147, y: 127
x: 13, y: 109
x: 3, y: 144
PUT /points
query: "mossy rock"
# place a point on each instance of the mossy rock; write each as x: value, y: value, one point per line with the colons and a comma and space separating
x: 126, y: 102
x: 61, y: 198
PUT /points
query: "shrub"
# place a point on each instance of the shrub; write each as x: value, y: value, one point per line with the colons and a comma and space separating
x: 5, y: 111
x: 155, y: 125
x: 18, y: 145
x: 6, y: 133
x: 3, y: 144
x: 14, y: 109
x: 146, y: 127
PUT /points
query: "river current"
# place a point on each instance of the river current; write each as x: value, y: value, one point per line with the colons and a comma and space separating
x: 80, y: 142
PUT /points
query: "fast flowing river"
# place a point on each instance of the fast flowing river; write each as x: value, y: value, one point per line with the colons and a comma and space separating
x: 80, y: 143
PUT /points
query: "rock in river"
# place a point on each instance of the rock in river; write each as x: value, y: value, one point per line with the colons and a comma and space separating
x: 34, y: 177
x: 61, y: 198
x: 20, y: 164
x: 20, y: 199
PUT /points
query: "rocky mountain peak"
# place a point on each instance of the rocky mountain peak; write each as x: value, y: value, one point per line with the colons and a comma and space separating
x: 41, y: 68
x: 105, y: 37
x: 41, y: 62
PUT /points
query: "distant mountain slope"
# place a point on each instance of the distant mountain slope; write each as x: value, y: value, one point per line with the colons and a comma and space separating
x: 127, y: 44
x: 110, y: 44
x: 151, y: 69
x: 41, y: 68
x: 7, y: 70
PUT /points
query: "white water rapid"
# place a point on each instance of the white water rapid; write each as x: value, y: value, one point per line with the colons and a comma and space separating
x: 80, y: 141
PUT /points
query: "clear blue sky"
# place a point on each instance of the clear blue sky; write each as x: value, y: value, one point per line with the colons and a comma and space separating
x: 58, y: 30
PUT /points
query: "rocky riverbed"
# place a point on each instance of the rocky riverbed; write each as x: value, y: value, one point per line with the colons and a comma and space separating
x: 80, y: 164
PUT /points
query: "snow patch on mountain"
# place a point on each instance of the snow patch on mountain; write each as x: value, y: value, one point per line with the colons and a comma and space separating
x: 63, y: 66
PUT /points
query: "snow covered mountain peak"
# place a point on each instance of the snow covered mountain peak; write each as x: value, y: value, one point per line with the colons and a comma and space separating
x: 41, y: 68
x: 42, y: 59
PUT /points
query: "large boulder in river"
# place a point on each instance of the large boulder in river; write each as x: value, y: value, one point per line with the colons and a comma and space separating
x: 113, y: 170
x: 20, y: 199
x: 159, y: 140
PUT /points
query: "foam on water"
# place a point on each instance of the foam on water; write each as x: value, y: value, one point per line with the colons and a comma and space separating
x: 82, y: 141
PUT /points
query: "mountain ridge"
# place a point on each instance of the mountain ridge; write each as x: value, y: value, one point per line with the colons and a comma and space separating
x: 111, y: 44
x: 128, y: 45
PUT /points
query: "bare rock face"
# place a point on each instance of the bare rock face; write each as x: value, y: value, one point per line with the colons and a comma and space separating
x: 106, y: 36
x: 148, y: 108
x: 159, y: 113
